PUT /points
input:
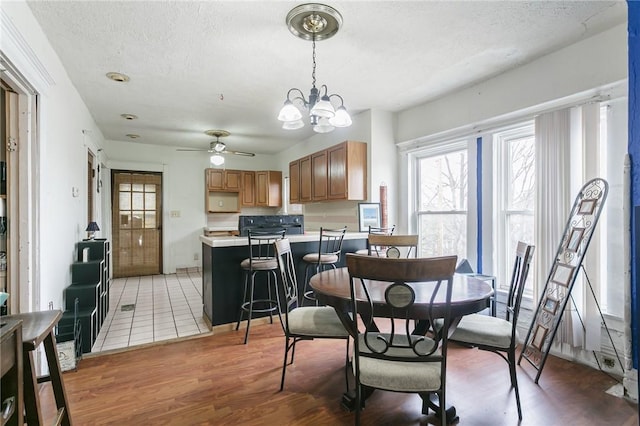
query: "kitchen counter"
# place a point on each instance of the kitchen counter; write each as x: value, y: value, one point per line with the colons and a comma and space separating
x: 232, y: 241
x: 222, y: 277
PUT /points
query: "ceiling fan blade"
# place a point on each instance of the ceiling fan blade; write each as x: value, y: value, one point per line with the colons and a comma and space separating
x: 246, y: 154
x: 198, y: 150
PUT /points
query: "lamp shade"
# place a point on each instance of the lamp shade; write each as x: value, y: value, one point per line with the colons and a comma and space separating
x: 92, y: 227
x: 341, y: 119
x: 323, y: 108
x: 217, y: 160
x: 289, y: 112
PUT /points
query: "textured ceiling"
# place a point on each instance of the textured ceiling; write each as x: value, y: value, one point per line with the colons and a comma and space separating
x: 228, y: 64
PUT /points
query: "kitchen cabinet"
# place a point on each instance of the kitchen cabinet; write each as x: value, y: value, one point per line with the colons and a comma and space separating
x: 227, y: 191
x: 319, y: 176
x: 248, y: 197
x: 268, y: 188
x: 347, y: 171
x: 224, y: 180
x: 294, y: 182
x: 335, y: 173
x: 305, y: 179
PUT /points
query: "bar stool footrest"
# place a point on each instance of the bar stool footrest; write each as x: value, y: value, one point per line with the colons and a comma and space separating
x: 273, y: 305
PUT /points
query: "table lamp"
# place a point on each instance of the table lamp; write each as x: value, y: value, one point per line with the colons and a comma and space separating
x: 92, y: 227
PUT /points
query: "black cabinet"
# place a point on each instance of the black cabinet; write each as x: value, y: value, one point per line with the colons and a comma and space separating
x: 90, y: 283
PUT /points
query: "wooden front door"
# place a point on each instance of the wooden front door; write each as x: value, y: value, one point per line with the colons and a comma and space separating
x: 137, y: 223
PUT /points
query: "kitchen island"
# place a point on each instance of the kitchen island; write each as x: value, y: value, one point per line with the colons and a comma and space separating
x: 222, y: 278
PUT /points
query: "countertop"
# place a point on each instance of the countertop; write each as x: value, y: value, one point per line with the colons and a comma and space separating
x: 226, y: 241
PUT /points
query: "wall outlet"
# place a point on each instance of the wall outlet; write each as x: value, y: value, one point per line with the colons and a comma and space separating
x: 175, y: 213
x: 196, y: 256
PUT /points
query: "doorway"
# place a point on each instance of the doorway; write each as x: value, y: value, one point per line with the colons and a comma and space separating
x: 137, y: 223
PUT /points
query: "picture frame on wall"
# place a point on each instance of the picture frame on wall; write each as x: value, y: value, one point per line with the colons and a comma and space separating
x: 368, y: 215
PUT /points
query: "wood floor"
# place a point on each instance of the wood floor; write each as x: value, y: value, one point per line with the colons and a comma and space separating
x: 216, y: 380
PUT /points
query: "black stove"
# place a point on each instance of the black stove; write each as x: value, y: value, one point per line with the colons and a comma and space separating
x: 293, y: 223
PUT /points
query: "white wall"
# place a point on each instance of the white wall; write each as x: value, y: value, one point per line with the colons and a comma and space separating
x: 592, y: 63
x: 62, y: 146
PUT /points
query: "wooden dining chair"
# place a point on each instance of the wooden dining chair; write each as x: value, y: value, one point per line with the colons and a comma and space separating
x: 304, y: 322
x: 393, y: 246
x: 387, y: 355
x: 379, y: 231
x: 499, y: 335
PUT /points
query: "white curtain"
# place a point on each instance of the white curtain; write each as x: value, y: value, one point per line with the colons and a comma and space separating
x: 553, y: 200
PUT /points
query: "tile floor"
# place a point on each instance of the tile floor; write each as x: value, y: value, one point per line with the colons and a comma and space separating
x: 152, y: 308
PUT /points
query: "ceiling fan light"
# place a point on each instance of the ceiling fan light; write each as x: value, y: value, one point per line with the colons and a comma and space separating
x: 217, y: 160
x: 289, y: 112
x: 323, y: 108
x: 341, y: 119
x: 323, y: 126
x: 293, y: 125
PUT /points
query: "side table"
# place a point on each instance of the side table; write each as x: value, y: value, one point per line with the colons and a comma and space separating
x: 11, y: 372
x: 38, y: 327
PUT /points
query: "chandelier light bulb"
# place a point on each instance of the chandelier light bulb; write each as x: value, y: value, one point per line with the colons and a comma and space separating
x: 341, y: 119
x: 293, y: 125
x: 323, y: 126
x: 217, y: 160
x: 289, y: 112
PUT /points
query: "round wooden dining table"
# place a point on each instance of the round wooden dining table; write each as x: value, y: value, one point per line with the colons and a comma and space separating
x: 469, y: 295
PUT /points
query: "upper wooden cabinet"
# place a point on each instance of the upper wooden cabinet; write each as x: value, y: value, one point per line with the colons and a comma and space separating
x: 248, y: 198
x: 336, y: 173
x: 223, y: 180
x: 243, y: 188
x: 319, y: 176
x: 269, y: 188
x: 294, y: 182
x: 347, y: 171
x: 305, y: 179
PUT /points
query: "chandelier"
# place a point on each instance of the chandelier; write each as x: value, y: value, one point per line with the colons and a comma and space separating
x: 314, y: 22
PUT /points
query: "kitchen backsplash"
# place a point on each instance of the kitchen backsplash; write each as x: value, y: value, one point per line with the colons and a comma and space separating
x: 328, y: 215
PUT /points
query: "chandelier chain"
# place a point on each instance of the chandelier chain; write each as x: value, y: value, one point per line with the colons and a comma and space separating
x: 313, y: 73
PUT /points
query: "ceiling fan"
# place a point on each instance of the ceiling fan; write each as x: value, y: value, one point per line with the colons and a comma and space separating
x: 216, y: 147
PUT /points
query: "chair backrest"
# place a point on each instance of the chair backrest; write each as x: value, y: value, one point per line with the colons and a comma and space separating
x: 331, y: 241
x: 524, y: 254
x: 429, y: 278
x: 287, y: 269
x: 381, y: 231
x: 261, y: 244
x: 391, y: 245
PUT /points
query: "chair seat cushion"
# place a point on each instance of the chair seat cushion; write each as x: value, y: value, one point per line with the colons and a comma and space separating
x: 398, y: 375
x: 260, y: 263
x: 323, y: 258
x: 479, y: 329
x: 316, y: 321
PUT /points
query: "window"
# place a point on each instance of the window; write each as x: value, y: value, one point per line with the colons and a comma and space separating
x: 514, y: 197
x: 441, y: 211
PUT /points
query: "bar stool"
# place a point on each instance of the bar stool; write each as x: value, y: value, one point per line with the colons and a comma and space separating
x: 38, y: 327
x: 376, y: 231
x: 328, y: 254
x: 261, y: 259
